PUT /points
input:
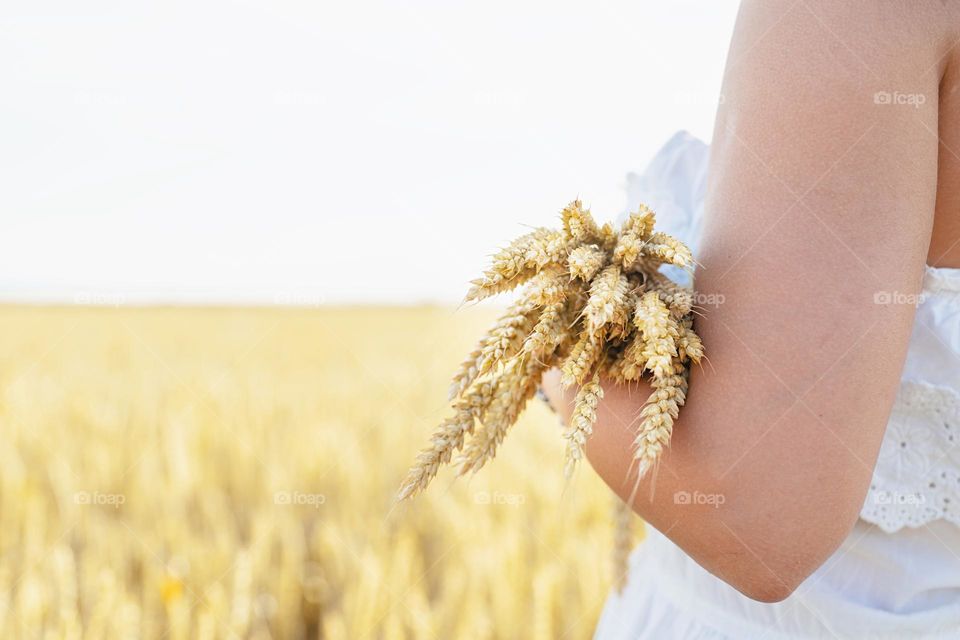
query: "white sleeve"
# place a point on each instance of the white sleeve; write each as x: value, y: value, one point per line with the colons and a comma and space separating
x: 674, y: 185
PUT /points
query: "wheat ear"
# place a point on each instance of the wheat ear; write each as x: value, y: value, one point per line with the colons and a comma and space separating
x: 578, y: 225
x: 581, y: 422
x: 515, y: 387
x: 446, y: 439
x: 667, y: 249
x: 518, y: 262
x: 607, y: 303
x: 657, y: 416
x: 506, y: 338
x: 548, y: 332
x: 585, y: 353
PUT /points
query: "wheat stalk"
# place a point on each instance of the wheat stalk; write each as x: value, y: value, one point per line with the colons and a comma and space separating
x: 622, y: 541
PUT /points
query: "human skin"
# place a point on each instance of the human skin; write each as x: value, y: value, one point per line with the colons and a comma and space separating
x: 822, y: 196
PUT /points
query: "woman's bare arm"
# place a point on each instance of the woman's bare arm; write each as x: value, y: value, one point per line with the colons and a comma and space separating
x: 821, y: 201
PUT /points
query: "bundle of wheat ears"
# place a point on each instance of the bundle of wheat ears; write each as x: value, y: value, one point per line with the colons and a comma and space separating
x: 595, y: 304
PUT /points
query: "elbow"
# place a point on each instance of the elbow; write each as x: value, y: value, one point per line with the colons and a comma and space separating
x: 764, y: 579
x: 770, y: 568
x: 765, y: 575
x: 773, y: 595
x: 767, y: 588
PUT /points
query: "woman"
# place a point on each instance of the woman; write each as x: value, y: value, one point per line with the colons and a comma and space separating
x: 807, y: 491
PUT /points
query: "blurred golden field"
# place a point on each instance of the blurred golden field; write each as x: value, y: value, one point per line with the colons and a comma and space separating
x: 230, y: 473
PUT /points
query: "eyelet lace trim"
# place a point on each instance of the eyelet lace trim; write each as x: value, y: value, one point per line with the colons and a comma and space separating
x: 917, y: 477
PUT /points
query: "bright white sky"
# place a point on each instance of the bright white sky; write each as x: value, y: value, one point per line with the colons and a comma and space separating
x: 324, y: 151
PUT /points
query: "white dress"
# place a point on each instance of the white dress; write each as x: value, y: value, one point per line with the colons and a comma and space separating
x: 897, y: 575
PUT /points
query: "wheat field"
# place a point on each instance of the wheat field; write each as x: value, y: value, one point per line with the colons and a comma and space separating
x: 230, y: 473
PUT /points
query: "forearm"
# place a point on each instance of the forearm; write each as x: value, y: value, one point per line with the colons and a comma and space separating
x: 696, y: 496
